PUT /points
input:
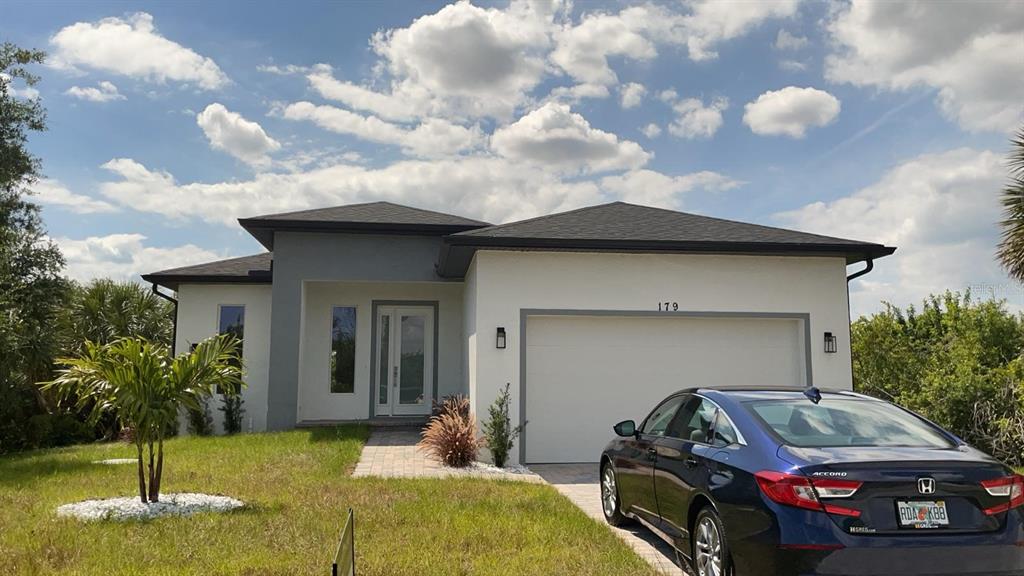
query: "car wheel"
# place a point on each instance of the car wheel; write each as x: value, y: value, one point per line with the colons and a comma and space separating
x: 610, y: 503
x: 710, y: 548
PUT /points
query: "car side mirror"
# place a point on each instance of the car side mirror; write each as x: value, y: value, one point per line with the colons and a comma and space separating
x: 625, y: 428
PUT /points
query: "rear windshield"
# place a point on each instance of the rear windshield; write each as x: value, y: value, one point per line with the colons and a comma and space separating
x: 846, y: 422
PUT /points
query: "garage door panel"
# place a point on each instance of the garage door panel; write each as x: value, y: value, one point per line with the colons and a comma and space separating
x: 584, y: 374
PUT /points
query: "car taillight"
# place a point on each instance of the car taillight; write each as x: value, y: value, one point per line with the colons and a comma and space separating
x: 1011, y: 487
x: 801, y: 492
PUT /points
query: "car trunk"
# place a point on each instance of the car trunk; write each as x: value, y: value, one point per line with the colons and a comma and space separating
x: 902, y: 490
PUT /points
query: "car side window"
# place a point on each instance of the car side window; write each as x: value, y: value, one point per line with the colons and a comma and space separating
x: 658, y: 421
x: 693, y: 421
x: 724, y: 433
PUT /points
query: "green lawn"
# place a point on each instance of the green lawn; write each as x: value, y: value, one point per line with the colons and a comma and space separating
x: 297, y: 487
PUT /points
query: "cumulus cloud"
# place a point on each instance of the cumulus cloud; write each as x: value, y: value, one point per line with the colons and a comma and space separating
x: 132, y: 47
x: 124, y: 256
x: 786, y: 41
x: 241, y: 138
x: 969, y: 51
x: 386, y: 106
x: 939, y: 210
x: 790, y: 111
x: 656, y: 189
x: 631, y: 94
x: 652, y: 130
x: 555, y: 136
x: 51, y: 192
x: 695, y: 120
x: 102, y: 92
x: 433, y: 137
x: 713, y: 22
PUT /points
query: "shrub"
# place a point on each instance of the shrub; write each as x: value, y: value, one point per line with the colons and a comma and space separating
x: 451, y: 438
x: 499, y: 434
x: 457, y: 404
x: 231, y: 406
x: 200, y: 422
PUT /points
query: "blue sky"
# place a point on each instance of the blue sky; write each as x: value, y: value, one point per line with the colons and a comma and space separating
x: 881, y: 122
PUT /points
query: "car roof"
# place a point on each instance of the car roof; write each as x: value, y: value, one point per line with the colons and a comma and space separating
x: 746, y: 393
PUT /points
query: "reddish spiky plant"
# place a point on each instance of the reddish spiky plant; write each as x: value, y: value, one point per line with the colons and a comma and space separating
x: 451, y: 438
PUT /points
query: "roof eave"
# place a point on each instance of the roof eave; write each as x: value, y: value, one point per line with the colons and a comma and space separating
x: 172, y: 281
x: 263, y: 229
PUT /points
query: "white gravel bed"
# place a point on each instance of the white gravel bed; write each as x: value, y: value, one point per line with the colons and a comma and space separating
x: 131, y: 508
x: 484, y: 468
x: 115, y: 461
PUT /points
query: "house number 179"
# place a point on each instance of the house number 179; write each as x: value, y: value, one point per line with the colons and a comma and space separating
x: 668, y: 306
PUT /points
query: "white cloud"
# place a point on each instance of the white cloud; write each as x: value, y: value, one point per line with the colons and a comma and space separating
x: 241, y: 138
x: 786, y: 41
x: 431, y: 138
x: 632, y: 94
x: 124, y: 256
x: 790, y: 111
x: 668, y: 96
x: 939, y: 210
x: 792, y: 65
x: 132, y: 47
x: 102, y: 92
x: 386, y: 106
x: 713, y: 22
x: 969, y: 51
x: 285, y: 70
x: 577, y: 93
x: 652, y: 130
x: 553, y: 135
x: 695, y: 120
x: 656, y: 189
x: 51, y: 192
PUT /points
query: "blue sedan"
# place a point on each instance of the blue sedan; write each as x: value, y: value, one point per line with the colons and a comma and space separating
x: 802, y: 482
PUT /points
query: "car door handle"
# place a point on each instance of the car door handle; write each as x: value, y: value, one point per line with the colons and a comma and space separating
x: 690, y: 462
x: 652, y: 454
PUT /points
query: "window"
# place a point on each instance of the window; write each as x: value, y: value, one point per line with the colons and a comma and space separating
x: 657, y: 422
x: 343, y: 350
x: 724, y: 433
x: 693, y: 422
x: 846, y: 422
x: 231, y: 321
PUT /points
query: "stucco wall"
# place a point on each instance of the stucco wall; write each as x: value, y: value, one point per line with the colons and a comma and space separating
x: 506, y: 282
x: 198, y: 309
x: 315, y: 400
x: 300, y: 257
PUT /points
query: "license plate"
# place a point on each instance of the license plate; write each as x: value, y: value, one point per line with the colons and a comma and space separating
x: 922, y: 514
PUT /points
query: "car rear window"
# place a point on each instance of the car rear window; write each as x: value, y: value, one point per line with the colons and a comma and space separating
x: 846, y: 422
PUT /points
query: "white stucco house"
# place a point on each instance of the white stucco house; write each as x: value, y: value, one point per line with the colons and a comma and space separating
x: 369, y: 312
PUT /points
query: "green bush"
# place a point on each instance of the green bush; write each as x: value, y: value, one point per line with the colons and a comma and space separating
x: 954, y: 361
x: 200, y: 422
x: 231, y: 406
x: 499, y: 435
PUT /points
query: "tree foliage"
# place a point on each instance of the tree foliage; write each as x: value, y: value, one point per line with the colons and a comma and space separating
x: 145, y: 389
x: 1011, y: 248
x: 955, y: 361
x: 499, y: 435
x: 105, y: 310
x: 32, y: 291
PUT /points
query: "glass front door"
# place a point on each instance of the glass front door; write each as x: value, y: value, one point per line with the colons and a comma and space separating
x: 405, y: 360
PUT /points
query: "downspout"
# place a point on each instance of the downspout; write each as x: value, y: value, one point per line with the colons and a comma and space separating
x: 870, y: 265
x: 174, y: 331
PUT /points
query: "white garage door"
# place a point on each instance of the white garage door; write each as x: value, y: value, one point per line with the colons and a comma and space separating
x: 585, y: 373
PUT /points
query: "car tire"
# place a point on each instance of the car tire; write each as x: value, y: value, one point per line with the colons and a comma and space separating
x: 611, y: 505
x: 710, y: 551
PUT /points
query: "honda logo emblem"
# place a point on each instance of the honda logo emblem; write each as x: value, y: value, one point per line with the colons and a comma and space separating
x: 926, y: 485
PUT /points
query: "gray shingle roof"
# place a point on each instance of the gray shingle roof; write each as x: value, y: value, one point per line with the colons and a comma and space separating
x: 369, y: 217
x: 631, y: 222
x: 245, y: 269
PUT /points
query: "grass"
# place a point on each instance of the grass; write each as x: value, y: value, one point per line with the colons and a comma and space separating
x: 297, y: 488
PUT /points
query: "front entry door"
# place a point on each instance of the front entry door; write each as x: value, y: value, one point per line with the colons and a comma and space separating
x: 405, y: 360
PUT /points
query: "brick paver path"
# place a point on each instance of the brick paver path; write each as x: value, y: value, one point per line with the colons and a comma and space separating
x: 392, y: 453
x: 579, y: 483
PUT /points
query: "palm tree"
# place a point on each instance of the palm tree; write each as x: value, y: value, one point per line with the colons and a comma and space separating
x: 104, y: 310
x: 145, y: 389
x: 1011, y: 248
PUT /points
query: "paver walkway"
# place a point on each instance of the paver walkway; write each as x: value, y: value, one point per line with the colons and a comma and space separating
x: 579, y: 483
x: 392, y: 453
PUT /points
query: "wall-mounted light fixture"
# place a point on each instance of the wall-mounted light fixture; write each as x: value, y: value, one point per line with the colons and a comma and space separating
x: 500, y: 343
x: 830, y: 343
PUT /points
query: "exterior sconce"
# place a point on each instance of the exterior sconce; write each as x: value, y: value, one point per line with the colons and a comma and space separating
x: 830, y: 343
x: 500, y: 343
